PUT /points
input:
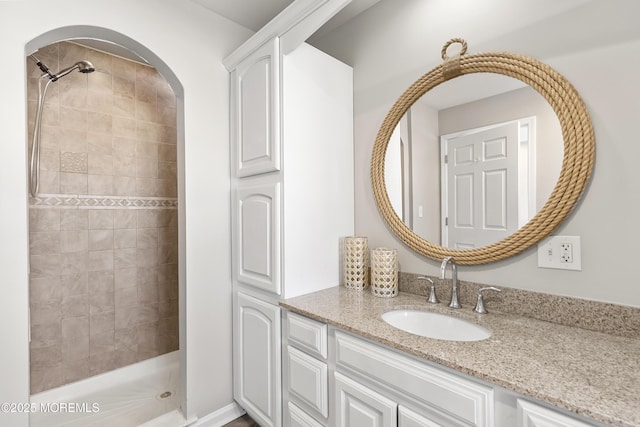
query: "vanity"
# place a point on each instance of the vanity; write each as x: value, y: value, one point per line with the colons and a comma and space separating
x: 341, y: 355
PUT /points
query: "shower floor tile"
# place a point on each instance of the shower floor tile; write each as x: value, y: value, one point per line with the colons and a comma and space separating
x: 126, y: 405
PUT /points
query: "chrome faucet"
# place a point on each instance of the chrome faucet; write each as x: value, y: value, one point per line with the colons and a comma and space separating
x: 454, y: 280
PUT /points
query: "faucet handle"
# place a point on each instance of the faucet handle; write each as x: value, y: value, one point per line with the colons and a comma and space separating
x: 433, y: 299
x: 479, y: 308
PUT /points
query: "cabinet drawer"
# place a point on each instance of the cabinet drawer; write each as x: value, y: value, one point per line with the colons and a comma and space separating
x: 307, y: 334
x: 296, y: 417
x: 532, y: 415
x: 451, y: 395
x: 307, y: 380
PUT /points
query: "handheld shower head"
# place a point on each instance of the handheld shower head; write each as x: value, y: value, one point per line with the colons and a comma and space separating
x: 85, y: 67
x: 82, y: 66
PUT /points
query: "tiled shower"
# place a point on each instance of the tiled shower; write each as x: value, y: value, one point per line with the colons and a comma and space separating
x: 103, y: 243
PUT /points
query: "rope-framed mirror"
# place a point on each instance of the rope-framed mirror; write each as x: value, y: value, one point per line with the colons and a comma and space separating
x: 577, y: 162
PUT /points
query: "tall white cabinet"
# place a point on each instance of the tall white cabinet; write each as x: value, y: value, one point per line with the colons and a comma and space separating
x: 292, y: 201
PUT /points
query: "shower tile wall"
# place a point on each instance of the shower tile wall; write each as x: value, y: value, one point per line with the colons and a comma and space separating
x: 103, y: 229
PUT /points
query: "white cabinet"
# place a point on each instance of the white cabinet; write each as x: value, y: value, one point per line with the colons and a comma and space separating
x: 446, y: 399
x: 305, y: 175
x: 359, y: 406
x: 307, y: 380
x: 372, y: 385
x: 291, y: 203
x: 256, y: 380
x: 375, y: 386
x: 296, y: 417
x: 409, y: 418
x: 305, y: 370
x: 256, y: 237
x: 533, y: 415
x: 255, y: 106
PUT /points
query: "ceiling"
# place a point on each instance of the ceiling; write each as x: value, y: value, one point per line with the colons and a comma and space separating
x: 251, y: 14
x: 254, y: 14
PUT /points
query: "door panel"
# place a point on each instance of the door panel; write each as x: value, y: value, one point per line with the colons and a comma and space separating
x: 256, y: 232
x: 296, y: 417
x: 482, y: 191
x: 359, y: 406
x: 307, y: 380
x: 409, y: 418
x: 257, y: 358
x: 257, y: 106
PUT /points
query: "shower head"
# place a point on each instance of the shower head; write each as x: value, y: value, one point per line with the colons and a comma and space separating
x: 82, y: 66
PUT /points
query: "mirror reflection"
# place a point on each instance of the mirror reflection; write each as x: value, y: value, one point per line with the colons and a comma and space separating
x: 473, y: 160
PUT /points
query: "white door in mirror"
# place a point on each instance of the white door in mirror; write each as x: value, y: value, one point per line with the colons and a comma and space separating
x: 561, y: 252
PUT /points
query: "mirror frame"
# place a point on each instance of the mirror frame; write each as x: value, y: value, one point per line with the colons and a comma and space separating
x: 577, y: 162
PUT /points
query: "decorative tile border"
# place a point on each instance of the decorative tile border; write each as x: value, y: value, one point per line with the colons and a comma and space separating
x: 101, y: 202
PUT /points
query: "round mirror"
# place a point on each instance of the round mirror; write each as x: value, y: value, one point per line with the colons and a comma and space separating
x: 485, y: 165
x: 469, y: 150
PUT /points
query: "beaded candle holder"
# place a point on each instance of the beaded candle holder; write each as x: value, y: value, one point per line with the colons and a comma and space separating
x: 384, y: 272
x: 355, y: 262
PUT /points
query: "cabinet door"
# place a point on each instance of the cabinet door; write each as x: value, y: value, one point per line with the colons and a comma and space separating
x: 532, y: 415
x: 296, y: 417
x: 409, y: 418
x: 257, y: 359
x: 256, y: 234
x: 359, y: 406
x: 306, y: 379
x: 255, y: 107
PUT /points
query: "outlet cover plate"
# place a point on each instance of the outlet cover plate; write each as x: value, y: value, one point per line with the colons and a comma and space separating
x: 550, y: 254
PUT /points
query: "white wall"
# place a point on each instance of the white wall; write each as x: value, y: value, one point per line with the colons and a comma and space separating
x: 192, y: 43
x: 592, y: 43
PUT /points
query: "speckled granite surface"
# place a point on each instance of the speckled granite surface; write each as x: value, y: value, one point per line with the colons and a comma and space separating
x: 587, y: 372
x: 592, y: 315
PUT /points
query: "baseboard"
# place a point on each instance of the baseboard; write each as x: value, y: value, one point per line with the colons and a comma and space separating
x: 220, y: 417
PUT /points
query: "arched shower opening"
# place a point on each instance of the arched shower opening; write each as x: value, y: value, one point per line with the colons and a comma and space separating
x: 103, y: 231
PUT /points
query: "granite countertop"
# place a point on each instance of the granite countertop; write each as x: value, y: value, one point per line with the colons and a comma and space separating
x: 589, y: 373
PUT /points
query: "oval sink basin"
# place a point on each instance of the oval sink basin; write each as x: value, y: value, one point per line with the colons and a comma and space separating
x: 435, y: 325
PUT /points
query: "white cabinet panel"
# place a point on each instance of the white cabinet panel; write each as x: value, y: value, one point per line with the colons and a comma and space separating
x: 255, y: 102
x: 307, y: 380
x: 307, y: 334
x: 296, y: 417
x: 256, y: 235
x: 450, y: 395
x: 359, y: 406
x: 532, y: 415
x: 409, y: 418
x: 256, y: 349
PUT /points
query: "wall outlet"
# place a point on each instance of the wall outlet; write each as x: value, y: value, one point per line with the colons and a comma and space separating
x: 561, y: 252
x: 566, y: 252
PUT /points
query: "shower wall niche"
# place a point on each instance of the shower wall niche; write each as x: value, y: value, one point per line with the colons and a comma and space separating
x: 103, y: 234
